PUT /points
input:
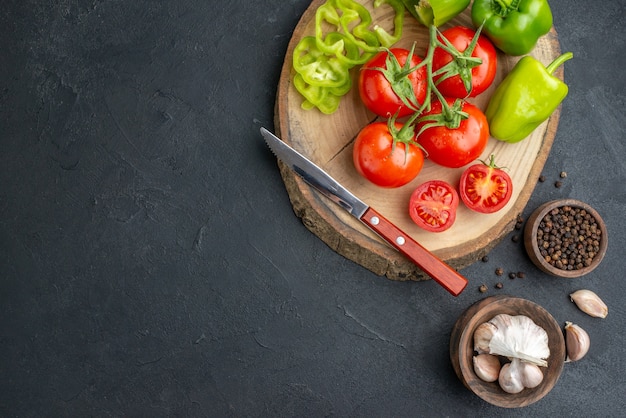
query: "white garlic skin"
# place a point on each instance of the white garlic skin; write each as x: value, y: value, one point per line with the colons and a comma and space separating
x: 577, y: 341
x: 518, y: 336
x: 487, y: 367
x: 510, y: 379
x: 590, y: 303
x: 482, y: 337
x: 532, y: 376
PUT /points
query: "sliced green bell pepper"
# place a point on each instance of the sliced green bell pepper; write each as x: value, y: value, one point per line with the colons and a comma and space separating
x: 514, y: 26
x: 326, y: 99
x: 526, y: 97
x: 316, y: 67
x: 344, y: 37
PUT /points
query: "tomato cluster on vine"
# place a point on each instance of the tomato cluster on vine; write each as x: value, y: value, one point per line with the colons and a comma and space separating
x: 424, y: 102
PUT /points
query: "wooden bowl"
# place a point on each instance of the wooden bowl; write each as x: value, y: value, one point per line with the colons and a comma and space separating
x: 535, y: 253
x: 462, y: 349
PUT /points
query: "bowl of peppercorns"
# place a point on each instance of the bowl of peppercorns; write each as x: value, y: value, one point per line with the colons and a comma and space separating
x: 565, y: 238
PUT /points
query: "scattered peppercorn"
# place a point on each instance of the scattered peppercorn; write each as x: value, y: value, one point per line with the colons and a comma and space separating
x: 515, y: 238
x: 485, y: 258
x: 568, y: 238
x: 521, y: 274
x: 542, y: 178
x: 563, y: 174
x: 482, y: 288
x: 499, y: 271
x: 512, y: 275
x: 558, y: 184
x: 499, y: 285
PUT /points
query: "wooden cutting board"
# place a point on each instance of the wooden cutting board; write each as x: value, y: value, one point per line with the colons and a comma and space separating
x: 328, y: 141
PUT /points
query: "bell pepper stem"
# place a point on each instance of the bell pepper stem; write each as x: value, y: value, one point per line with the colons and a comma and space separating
x: 558, y: 61
x: 503, y: 7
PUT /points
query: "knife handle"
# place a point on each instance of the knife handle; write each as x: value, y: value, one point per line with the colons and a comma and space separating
x: 440, y: 272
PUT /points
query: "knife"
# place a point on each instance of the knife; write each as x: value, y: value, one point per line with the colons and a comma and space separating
x: 439, y: 271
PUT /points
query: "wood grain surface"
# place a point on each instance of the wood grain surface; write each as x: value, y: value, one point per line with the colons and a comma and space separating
x: 328, y: 141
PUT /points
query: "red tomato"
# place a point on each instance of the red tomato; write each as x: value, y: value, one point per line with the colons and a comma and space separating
x: 455, y: 147
x: 485, y: 188
x: 382, y: 162
x: 376, y: 90
x: 482, y: 75
x: 433, y: 205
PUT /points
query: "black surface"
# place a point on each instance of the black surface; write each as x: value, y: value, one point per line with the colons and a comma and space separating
x: 150, y: 261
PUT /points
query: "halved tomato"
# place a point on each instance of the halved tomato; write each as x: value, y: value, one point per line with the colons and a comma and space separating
x: 485, y: 188
x: 433, y: 205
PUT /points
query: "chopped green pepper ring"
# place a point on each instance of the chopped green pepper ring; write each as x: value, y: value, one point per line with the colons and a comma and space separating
x: 351, y: 29
x: 323, y: 62
x: 339, y: 46
x: 386, y: 39
x: 326, y: 99
x: 317, y: 68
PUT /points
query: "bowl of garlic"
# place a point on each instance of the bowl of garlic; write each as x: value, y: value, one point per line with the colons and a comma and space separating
x: 509, y: 351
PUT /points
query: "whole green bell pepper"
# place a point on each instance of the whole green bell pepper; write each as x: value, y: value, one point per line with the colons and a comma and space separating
x: 526, y: 97
x: 514, y: 26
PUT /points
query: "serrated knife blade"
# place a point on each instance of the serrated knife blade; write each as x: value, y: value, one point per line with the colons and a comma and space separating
x: 442, y: 273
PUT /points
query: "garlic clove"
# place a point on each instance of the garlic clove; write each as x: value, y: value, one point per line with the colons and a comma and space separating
x: 577, y: 341
x: 510, y: 378
x: 532, y: 375
x: 482, y: 336
x: 487, y: 367
x: 590, y: 303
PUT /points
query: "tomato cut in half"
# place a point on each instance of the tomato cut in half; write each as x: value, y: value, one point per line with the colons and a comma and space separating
x: 433, y: 205
x: 485, y: 188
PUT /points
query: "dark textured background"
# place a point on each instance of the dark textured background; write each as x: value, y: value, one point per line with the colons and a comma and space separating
x: 150, y: 261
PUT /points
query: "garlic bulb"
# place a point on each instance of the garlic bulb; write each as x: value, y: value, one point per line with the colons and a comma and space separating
x: 577, y: 341
x: 590, y: 303
x: 518, y: 337
x: 482, y: 336
x: 487, y: 367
